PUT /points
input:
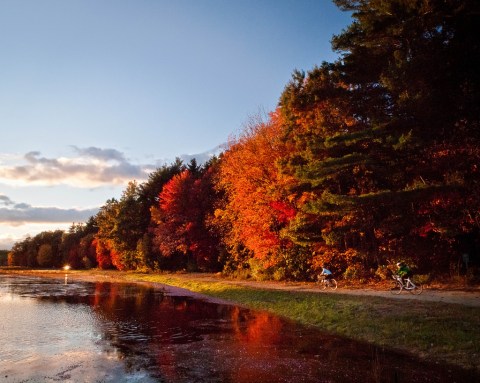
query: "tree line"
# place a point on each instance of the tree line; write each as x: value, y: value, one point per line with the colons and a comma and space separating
x: 368, y: 160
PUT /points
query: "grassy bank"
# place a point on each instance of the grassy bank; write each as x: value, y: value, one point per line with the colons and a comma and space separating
x: 436, y: 331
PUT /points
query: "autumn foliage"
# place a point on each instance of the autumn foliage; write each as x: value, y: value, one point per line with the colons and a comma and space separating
x: 255, y: 206
x: 368, y: 160
x: 180, y: 218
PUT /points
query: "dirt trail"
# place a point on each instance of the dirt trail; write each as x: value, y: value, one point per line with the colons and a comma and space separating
x: 470, y: 297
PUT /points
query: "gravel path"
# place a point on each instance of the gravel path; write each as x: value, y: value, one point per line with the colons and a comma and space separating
x: 470, y: 297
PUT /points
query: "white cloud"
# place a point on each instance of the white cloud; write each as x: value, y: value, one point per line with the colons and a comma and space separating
x: 20, y: 216
x: 17, y: 220
x: 17, y: 214
x: 87, y: 168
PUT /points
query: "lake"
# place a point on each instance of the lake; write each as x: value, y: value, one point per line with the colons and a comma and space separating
x: 69, y: 331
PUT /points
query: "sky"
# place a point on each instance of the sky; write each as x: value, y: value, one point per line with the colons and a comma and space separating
x: 97, y: 93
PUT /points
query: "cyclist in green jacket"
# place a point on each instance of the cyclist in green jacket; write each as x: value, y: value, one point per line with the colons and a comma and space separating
x: 403, y: 271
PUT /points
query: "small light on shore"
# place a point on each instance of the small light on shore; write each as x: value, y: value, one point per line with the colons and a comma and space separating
x: 66, y: 267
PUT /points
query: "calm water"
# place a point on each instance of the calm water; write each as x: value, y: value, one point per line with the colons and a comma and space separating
x: 109, y: 332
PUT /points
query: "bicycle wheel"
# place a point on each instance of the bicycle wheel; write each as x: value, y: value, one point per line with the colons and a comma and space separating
x: 396, y: 287
x: 417, y: 289
x: 332, y: 284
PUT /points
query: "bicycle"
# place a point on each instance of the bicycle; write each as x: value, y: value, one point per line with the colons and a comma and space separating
x: 327, y: 282
x: 399, y: 285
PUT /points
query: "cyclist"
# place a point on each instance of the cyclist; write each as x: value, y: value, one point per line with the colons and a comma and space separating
x: 403, y: 271
x: 327, y: 274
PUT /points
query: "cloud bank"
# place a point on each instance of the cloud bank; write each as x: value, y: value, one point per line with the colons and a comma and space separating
x: 86, y: 168
x: 17, y: 214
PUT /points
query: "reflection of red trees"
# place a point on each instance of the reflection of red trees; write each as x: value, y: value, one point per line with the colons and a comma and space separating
x: 254, y: 334
x: 105, y: 298
x: 169, y: 321
x: 97, y: 297
x: 259, y: 329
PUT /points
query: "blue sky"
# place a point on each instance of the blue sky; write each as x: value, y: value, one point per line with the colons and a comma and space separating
x: 97, y: 93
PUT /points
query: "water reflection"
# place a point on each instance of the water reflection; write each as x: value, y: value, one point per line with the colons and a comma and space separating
x: 108, y: 332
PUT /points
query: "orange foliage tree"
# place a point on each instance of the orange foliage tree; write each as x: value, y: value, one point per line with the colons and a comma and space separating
x: 255, y: 207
